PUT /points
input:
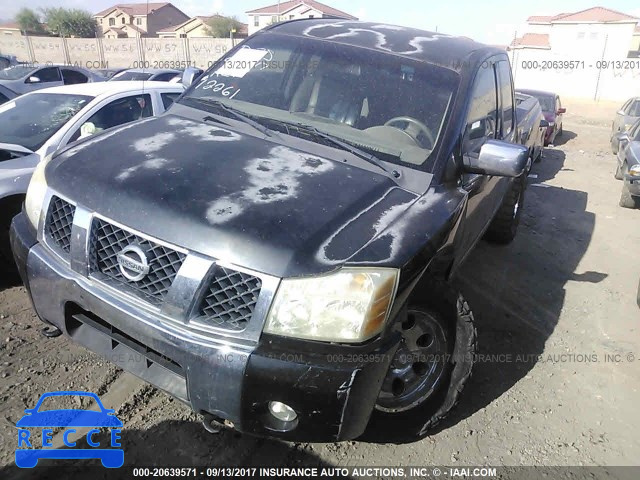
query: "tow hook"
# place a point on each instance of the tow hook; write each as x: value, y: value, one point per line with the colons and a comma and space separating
x: 51, y: 331
x: 213, y: 424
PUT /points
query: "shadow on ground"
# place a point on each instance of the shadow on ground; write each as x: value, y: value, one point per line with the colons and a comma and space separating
x: 175, y: 443
x: 566, y: 137
x: 517, y: 291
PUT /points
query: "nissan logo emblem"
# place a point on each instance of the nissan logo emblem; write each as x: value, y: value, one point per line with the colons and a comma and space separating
x: 133, y: 263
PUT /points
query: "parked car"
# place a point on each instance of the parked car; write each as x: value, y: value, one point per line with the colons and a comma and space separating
x: 628, y: 166
x: 38, y: 123
x: 624, y: 120
x: 107, y: 73
x: 6, y: 94
x: 532, y: 125
x: 552, y: 110
x: 279, y: 244
x: 151, y: 74
x: 26, y: 78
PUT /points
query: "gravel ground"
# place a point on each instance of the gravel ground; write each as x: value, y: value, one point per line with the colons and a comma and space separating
x: 549, y: 309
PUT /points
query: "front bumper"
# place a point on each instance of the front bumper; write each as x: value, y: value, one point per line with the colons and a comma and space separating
x: 332, y: 388
x: 632, y: 182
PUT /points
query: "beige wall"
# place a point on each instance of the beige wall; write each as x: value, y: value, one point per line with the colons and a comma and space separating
x: 7, y: 32
x: 591, y: 40
x: 582, y: 81
x: 117, y: 53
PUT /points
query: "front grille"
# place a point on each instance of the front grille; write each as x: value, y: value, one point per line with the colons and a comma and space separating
x: 59, y: 222
x: 108, y: 240
x: 230, y: 299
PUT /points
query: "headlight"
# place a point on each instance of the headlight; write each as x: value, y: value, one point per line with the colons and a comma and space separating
x: 36, y: 192
x: 551, y: 124
x: 635, y: 170
x: 351, y: 305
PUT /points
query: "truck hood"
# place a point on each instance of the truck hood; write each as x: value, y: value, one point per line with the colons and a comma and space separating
x: 249, y: 201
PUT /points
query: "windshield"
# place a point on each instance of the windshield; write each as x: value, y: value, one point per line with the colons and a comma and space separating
x: 384, y: 103
x: 131, y: 76
x: 15, y: 72
x: 30, y: 120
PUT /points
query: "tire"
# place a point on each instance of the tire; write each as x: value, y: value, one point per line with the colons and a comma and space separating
x: 618, y: 175
x: 627, y: 200
x: 504, y: 226
x: 538, y: 158
x: 410, y: 422
x: 9, y: 208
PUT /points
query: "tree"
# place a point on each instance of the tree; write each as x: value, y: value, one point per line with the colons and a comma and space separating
x: 73, y: 22
x: 220, y: 26
x: 28, y: 21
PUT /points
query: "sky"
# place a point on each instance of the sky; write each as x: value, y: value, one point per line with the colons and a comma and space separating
x: 483, y: 21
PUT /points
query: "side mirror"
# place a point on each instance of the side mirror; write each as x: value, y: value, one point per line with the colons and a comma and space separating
x: 562, y: 110
x: 498, y: 158
x: 620, y: 112
x: 190, y: 75
x: 544, y: 123
x: 33, y: 79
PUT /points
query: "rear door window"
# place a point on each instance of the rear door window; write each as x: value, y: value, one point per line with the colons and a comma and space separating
x: 72, y: 77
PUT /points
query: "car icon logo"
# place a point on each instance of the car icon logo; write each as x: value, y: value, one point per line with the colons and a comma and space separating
x: 133, y: 263
x: 71, y: 420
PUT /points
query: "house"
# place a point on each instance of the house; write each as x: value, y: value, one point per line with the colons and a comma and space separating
x: 197, y: 27
x: 596, y: 32
x: 138, y: 19
x: 262, y: 17
x: 12, y: 29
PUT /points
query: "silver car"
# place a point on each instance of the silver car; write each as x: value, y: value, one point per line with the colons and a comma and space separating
x: 27, y: 78
x: 154, y: 74
x: 628, y: 166
x: 622, y: 123
x: 37, y: 124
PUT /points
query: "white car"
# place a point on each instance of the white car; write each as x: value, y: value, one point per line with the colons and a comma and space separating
x: 39, y: 123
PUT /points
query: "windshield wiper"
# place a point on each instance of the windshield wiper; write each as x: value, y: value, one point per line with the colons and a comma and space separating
x: 234, y: 112
x: 342, y: 144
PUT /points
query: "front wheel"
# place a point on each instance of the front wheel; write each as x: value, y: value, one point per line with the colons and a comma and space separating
x: 627, y: 200
x: 504, y: 226
x: 430, y: 368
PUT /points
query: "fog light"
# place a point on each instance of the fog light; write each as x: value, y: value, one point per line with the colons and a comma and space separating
x: 282, y: 411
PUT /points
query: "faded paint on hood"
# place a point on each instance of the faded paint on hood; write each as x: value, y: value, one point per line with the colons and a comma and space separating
x: 235, y: 197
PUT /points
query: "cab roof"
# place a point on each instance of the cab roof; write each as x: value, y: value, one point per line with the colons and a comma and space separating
x: 437, y: 48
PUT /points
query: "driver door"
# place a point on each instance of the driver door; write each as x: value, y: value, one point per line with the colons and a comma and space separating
x: 46, y: 77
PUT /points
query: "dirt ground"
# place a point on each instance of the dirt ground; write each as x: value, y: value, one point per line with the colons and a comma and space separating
x: 559, y: 368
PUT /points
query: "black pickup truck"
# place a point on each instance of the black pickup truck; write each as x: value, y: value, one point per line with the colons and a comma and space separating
x: 275, y: 250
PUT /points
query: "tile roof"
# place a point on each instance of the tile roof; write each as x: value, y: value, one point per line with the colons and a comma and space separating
x: 133, y: 8
x: 536, y: 40
x: 244, y: 28
x: 10, y: 25
x: 592, y: 15
x: 284, y: 7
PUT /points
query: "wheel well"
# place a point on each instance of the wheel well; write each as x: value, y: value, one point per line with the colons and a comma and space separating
x: 11, y: 206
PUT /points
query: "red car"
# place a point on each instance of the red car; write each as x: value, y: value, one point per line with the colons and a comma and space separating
x: 552, y: 110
